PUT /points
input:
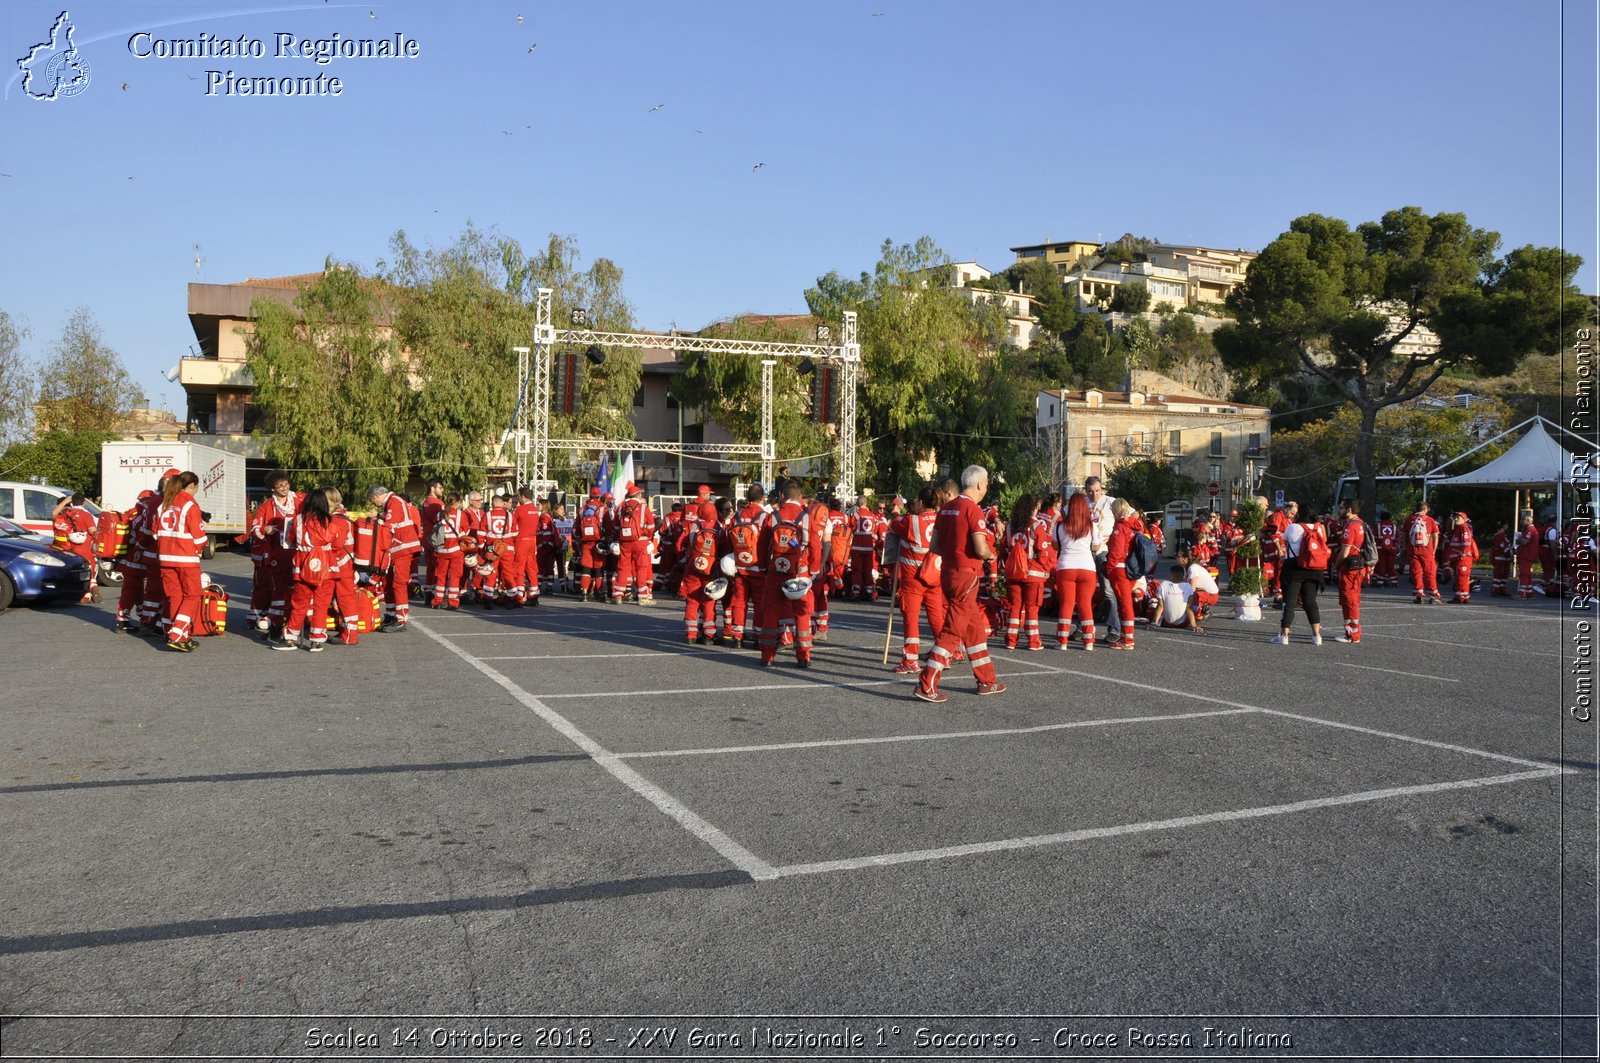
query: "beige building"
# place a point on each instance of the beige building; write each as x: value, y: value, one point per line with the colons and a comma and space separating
x: 1091, y: 432
x: 1210, y: 273
x: 1065, y: 257
x: 1021, y: 310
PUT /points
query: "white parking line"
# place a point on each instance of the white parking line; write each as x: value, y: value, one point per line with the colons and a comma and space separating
x: 670, y: 806
x: 581, y: 656
x: 1460, y: 645
x: 883, y: 739
x: 843, y: 684
x: 1037, y: 840
x: 1396, y: 671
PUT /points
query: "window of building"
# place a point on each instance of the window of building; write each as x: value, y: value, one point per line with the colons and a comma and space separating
x: 202, y: 412
x: 1175, y: 442
x: 1254, y: 442
x: 1097, y: 468
x: 638, y: 398
x: 1215, y: 474
x: 255, y: 417
x: 1096, y: 440
x: 1216, y: 445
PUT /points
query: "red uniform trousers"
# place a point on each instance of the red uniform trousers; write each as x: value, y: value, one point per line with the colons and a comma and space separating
x: 963, y: 629
x: 1384, y: 575
x: 522, y: 574
x: 397, y: 590
x: 1270, y: 578
x: 1551, y: 567
x: 1203, y: 601
x: 861, y: 565
x: 1075, y: 589
x: 745, y: 594
x: 633, y: 571
x: 699, y: 612
x: 917, y: 598
x: 1524, y: 577
x: 1350, y: 581
x: 1022, y: 612
x: 591, y: 566
x: 345, y: 595
x: 779, y: 609
x: 819, y: 606
x: 260, y: 588
x: 153, y: 610
x: 1122, y: 587
x: 1500, y: 575
x: 281, y: 565
x: 447, y: 571
x: 132, y: 596
x: 1424, y: 573
x: 425, y: 569
x: 181, y: 585
x: 1463, y: 570
x: 310, y: 604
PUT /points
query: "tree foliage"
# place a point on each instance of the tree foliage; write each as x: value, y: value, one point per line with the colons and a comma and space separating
x: 83, y: 386
x: 1130, y: 299
x: 1337, y: 303
x: 17, y: 383
x: 64, y: 459
x: 1149, y: 484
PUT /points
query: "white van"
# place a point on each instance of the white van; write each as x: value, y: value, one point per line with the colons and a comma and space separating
x: 31, y: 505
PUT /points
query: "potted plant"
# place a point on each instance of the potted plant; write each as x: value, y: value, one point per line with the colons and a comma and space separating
x: 1245, y: 583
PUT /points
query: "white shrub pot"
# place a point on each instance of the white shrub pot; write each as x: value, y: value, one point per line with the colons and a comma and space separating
x: 1248, y: 607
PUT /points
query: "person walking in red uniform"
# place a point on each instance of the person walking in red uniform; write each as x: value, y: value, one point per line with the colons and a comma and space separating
x: 396, y: 547
x: 917, y: 579
x: 1117, y: 548
x: 745, y: 596
x: 432, y: 505
x: 1461, y: 552
x: 1025, y: 573
x: 701, y: 546
x: 1502, y: 556
x: 1421, y: 535
x: 1350, y: 568
x: 532, y: 532
x: 635, y: 527
x: 449, y: 556
x: 788, y: 554
x: 310, y: 535
x: 1272, y: 555
x: 180, y: 537
x: 864, y: 544
x: 963, y: 544
x: 1527, y: 551
x: 134, y: 565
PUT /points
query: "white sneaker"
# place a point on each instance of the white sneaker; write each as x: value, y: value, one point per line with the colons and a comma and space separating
x: 1344, y: 638
x: 1316, y: 640
x: 1280, y: 640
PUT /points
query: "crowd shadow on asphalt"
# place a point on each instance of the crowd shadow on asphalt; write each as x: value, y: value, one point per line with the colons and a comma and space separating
x: 299, y: 773
x: 310, y: 918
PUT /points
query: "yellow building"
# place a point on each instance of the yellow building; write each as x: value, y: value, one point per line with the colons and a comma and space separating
x: 1063, y: 256
x: 1091, y: 432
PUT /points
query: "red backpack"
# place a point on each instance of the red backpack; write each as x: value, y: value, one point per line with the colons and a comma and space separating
x: 746, y: 537
x: 1314, y: 551
x: 213, y: 618
x: 629, y: 520
x: 703, y: 550
x: 1019, y: 550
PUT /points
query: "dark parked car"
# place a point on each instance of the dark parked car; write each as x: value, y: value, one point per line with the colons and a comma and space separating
x: 32, y: 572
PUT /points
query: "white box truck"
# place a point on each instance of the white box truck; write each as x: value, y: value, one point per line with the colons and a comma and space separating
x: 128, y: 466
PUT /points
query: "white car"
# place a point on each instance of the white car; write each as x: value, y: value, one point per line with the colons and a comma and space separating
x: 31, y: 506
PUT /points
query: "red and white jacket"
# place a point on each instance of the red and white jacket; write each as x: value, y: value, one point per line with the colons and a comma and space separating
x: 498, y: 531
x: 179, y: 534
x: 865, y: 536
x: 635, y: 521
x: 266, y: 525
x: 397, y: 531
x: 312, y: 542
x: 73, y: 528
x: 533, y: 526
x: 343, y: 544
x: 914, y: 532
x: 451, y: 520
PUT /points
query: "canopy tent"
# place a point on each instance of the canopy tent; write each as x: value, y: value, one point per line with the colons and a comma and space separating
x: 1536, y: 460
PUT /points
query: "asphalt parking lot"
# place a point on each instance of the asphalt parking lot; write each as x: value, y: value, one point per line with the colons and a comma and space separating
x: 562, y: 824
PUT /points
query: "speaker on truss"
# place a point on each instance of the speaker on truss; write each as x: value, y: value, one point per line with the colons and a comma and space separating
x: 824, y: 393
x: 566, y: 384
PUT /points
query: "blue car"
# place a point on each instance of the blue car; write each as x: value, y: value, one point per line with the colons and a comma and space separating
x: 32, y: 572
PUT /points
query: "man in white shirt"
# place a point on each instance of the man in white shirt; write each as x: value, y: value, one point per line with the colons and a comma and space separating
x: 1099, y: 538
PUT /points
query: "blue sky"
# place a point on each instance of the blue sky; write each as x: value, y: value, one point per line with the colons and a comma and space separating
x: 984, y: 127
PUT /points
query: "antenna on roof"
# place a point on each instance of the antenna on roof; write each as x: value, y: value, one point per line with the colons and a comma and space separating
x: 198, y: 261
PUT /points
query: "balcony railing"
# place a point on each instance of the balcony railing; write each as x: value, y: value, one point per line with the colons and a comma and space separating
x: 1094, y: 448
x: 1140, y: 447
x: 1254, y: 452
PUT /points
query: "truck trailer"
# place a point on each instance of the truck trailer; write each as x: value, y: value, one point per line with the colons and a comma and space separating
x: 129, y: 466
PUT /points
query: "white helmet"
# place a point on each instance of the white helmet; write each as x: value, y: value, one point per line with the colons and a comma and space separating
x: 729, y: 566
x: 795, y: 589
x: 716, y: 588
x: 616, y: 549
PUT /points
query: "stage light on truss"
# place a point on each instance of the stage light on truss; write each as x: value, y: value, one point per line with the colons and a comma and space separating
x: 824, y: 334
x: 579, y: 316
x: 807, y: 366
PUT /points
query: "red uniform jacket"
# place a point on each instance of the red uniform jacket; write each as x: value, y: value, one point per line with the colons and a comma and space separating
x: 179, y: 535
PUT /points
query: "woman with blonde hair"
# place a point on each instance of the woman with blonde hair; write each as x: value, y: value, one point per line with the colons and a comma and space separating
x: 1118, y: 546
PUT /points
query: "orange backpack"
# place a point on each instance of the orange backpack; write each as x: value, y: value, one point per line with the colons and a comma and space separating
x: 703, y: 550
x: 746, y: 537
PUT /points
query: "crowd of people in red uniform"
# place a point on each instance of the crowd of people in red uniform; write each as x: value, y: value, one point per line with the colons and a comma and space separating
x: 760, y: 572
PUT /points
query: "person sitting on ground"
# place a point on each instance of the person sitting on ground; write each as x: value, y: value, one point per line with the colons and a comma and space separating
x: 1177, y: 598
x: 1204, y: 583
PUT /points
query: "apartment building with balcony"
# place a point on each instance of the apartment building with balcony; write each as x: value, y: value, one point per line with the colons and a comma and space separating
x: 1093, y: 289
x: 1091, y: 432
x: 1210, y: 273
x: 1065, y: 256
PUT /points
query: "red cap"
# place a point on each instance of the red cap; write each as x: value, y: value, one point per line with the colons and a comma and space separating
x: 631, y: 488
x: 170, y: 473
x: 705, y: 491
x: 608, y: 497
x: 594, y: 492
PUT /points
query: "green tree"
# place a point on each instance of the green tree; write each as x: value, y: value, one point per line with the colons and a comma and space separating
x: 1129, y: 248
x: 1036, y: 277
x: 334, y: 382
x: 83, y: 387
x: 17, y: 383
x: 1337, y: 303
x: 1130, y: 299
x: 730, y: 384
x: 921, y: 344
x: 1149, y: 484
x: 64, y: 459
x: 1140, y: 341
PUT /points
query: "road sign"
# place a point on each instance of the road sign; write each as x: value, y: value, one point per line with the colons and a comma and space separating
x: 1277, y: 498
x: 1213, y: 489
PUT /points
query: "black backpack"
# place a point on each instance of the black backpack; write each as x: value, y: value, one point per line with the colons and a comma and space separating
x: 1142, y: 556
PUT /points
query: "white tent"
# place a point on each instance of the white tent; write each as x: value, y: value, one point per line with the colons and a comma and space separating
x: 1535, y: 460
